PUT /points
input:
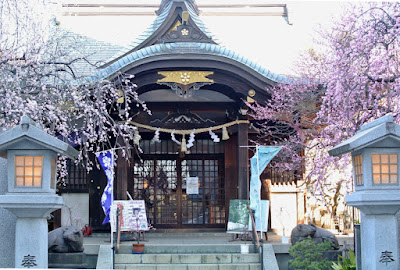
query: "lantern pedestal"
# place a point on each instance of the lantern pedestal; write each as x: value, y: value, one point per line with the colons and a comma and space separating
x: 31, y: 233
x: 379, y: 229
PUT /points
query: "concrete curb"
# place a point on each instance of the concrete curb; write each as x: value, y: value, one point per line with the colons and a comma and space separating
x: 104, y: 260
x: 269, y: 259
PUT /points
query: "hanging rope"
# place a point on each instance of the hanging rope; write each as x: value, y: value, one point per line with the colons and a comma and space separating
x: 187, y: 132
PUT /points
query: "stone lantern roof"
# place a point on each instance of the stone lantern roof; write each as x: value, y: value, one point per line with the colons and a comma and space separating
x: 30, y: 131
x: 382, y: 131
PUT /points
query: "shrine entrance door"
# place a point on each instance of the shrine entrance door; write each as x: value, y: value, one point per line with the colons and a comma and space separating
x: 173, y: 202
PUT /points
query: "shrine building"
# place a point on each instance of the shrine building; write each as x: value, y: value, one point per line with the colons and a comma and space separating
x: 199, y: 129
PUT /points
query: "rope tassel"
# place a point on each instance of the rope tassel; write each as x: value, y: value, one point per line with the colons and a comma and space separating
x: 225, y: 135
x: 136, y: 137
x: 183, y: 145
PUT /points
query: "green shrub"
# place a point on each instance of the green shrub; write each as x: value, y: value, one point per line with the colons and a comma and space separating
x: 309, y: 256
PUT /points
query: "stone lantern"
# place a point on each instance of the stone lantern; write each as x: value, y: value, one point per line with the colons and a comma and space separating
x: 375, y: 150
x: 31, y: 191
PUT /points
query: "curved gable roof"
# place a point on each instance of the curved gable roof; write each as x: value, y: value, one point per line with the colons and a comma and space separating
x: 182, y: 50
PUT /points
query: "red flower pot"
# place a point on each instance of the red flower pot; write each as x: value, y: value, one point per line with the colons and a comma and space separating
x: 137, y: 248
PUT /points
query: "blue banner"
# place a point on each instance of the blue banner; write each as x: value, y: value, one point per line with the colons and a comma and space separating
x: 106, y: 160
x: 258, y: 163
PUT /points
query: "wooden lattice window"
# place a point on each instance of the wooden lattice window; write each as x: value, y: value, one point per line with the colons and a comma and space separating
x: 76, y: 180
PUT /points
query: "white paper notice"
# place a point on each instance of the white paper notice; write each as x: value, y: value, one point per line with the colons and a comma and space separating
x: 192, y: 185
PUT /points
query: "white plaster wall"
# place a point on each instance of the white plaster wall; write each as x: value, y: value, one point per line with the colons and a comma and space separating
x: 7, y: 224
x: 283, y: 212
x: 75, y: 210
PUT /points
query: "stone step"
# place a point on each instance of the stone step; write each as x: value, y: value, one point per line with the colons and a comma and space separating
x: 163, y: 233
x: 187, y: 234
x: 186, y: 248
x: 187, y: 258
x: 156, y: 235
x: 252, y: 266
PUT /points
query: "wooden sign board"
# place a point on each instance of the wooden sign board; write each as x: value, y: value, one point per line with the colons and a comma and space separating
x: 131, y: 210
x: 238, y: 221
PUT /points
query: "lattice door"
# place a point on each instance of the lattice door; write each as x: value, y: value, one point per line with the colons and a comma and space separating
x: 161, y: 182
x: 208, y: 206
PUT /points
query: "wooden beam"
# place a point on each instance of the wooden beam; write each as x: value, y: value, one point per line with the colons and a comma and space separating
x: 124, y: 8
x: 143, y: 5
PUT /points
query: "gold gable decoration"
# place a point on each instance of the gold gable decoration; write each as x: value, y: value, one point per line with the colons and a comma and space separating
x: 185, y: 77
x: 174, y: 27
x: 185, y: 82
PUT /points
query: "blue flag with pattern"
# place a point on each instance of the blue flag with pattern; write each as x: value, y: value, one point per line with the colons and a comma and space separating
x: 106, y: 160
x: 258, y: 163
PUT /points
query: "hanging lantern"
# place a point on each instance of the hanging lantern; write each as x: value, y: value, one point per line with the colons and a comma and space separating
x: 183, y: 144
x: 225, y: 135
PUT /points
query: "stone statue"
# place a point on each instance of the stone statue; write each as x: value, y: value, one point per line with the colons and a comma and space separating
x: 318, y: 235
x: 66, y: 239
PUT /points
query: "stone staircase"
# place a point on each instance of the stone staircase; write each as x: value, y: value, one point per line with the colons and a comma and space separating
x: 188, y: 257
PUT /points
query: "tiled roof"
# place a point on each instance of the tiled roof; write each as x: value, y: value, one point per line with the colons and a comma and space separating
x: 86, y: 54
x: 145, y: 35
x: 185, y: 48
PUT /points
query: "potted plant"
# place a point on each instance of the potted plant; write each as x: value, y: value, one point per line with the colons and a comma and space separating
x: 284, y: 238
x: 137, y: 248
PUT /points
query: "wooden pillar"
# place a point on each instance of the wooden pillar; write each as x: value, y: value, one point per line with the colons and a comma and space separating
x: 231, y: 175
x: 121, y: 177
x: 300, y: 202
x: 243, y: 162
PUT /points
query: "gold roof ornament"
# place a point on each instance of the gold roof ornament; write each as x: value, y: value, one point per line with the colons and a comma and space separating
x: 251, y: 93
x: 185, y: 77
x: 185, y: 16
x: 185, y: 82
